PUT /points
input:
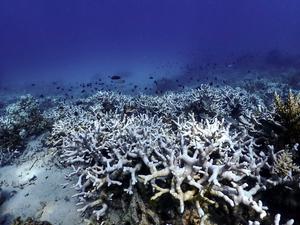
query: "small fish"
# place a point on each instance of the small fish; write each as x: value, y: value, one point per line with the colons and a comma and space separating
x: 115, y: 77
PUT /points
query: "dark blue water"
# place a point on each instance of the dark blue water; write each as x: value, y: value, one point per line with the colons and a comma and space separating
x: 76, y: 40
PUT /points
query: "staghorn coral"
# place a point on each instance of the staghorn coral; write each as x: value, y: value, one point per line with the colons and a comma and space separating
x: 264, y: 88
x: 289, y: 116
x: 284, y: 165
x: 279, y: 125
x: 181, y: 159
x: 226, y: 102
x: 152, y: 147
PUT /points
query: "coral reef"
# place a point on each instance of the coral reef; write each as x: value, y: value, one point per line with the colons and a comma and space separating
x: 264, y: 88
x: 198, y: 150
x: 202, y: 156
x: 226, y: 102
x: 20, y: 121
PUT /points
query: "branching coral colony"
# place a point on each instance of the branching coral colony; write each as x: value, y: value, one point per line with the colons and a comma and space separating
x: 21, y: 120
x: 289, y: 117
x: 169, y: 147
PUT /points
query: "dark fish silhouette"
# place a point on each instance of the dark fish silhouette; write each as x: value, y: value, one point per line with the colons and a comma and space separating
x: 115, y: 77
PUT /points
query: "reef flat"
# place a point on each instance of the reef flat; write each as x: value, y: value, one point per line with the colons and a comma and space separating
x: 207, y: 155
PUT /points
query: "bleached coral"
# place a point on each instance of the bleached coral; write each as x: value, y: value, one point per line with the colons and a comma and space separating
x: 109, y: 149
x: 153, y: 143
x: 265, y: 88
x: 21, y: 120
x: 225, y: 102
x: 276, y: 221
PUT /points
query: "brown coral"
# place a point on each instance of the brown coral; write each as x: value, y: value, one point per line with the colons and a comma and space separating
x: 284, y: 165
x: 288, y: 113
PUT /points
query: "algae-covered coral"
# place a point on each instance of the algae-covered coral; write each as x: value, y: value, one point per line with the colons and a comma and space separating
x: 288, y: 113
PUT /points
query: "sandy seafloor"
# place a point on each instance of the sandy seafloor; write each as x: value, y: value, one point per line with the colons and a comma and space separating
x: 35, y: 184
x: 35, y: 187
